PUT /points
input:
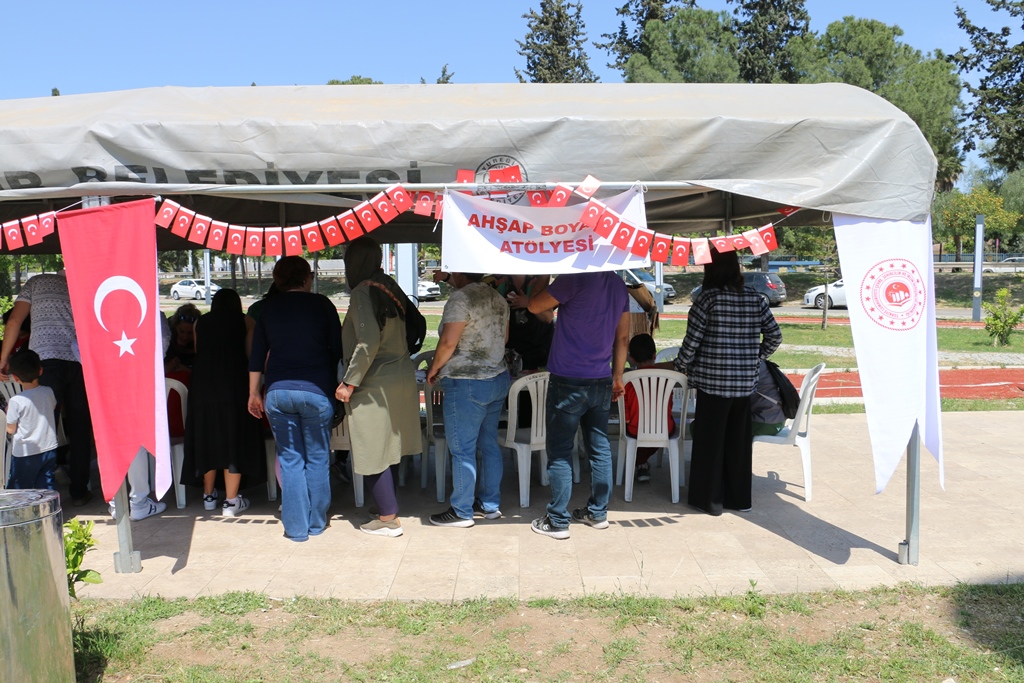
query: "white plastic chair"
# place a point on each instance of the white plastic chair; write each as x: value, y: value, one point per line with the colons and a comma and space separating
x: 654, y: 390
x: 797, y: 431
x: 340, y: 441
x: 9, y: 389
x: 667, y: 354
x: 524, y: 441
x: 178, y: 442
x: 422, y: 361
x: 433, y: 428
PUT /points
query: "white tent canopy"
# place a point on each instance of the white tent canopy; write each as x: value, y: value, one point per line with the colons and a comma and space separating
x: 287, y: 155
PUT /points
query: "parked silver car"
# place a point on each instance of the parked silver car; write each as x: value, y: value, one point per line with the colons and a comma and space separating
x: 815, y: 296
x: 639, y: 276
x: 192, y: 289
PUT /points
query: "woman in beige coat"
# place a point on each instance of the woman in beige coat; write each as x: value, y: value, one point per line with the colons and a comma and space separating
x: 379, y: 382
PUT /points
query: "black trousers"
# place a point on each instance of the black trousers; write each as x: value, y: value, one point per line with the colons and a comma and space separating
x: 68, y: 384
x: 721, y: 464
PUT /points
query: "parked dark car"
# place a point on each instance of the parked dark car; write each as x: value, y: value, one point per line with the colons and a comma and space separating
x: 768, y: 285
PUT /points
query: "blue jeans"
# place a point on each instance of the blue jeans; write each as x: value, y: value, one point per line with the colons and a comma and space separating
x: 33, y: 471
x: 471, y: 409
x: 575, y: 403
x: 301, y: 422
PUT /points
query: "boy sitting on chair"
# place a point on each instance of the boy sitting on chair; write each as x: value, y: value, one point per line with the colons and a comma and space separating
x: 642, y: 352
x: 31, y: 421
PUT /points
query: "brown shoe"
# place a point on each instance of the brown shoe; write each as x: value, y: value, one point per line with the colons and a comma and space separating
x: 379, y: 528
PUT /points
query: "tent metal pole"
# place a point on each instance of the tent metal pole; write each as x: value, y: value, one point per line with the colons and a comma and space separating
x: 979, y: 253
x: 206, y: 271
x: 909, y: 550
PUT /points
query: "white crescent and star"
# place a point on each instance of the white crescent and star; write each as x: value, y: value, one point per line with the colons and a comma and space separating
x: 117, y: 283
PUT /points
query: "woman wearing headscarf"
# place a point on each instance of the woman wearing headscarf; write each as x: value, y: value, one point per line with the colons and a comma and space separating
x: 297, y: 345
x: 379, y: 381
x: 220, y: 434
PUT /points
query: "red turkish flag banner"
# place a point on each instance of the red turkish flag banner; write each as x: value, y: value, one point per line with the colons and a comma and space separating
x: 218, y: 233
x: 116, y: 305
x: 767, y: 233
x: 12, y: 235
x: 30, y: 226
x: 512, y: 174
x: 236, y: 240
x: 661, y: 248
x: 385, y: 209
x: 606, y: 224
x: 293, y: 242
x: 272, y: 238
x: 753, y: 238
x: 332, y: 231
x: 425, y: 203
x: 254, y: 241
x: 680, y: 251
x: 496, y: 175
x: 538, y: 197
x: 182, y: 221
x: 350, y: 225
x: 465, y: 176
x: 168, y: 210
x: 788, y: 211
x: 368, y: 219
x: 439, y: 208
x: 560, y: 195
x: 592, y: 213
x: 588, y: 187
x: 47, y: 222
x: 200, y: 227
x: 623, y: 235
x: 399, y: 197
x: 701, y: 251
x: 311, y: 234
x: 739, y: 242
x: 722, y: 244
x: 642, y: 244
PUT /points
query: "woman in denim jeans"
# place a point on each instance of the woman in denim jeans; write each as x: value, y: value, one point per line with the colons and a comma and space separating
x: 470, y: 366
x: 297, y: 345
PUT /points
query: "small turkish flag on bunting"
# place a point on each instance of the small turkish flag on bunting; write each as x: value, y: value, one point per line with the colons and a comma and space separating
x: 182, y: 221
x: 47, y: 222
x: 218, y: 232
x: 166, y: 213
x: 332, y: 231
x: 425, y: 203
x: 701, y: 251
x: 512, y: 174
x: 254, y: 241
x: 350, y: 225
x: 200, y: 226
x: 30, y: 226
x: 272, y: 236
x: 606, y: 223
x: 661, y: 246
x: 311, y: 233
x: 439, y: 208
x: 739, y: 242
x: 788, y: 211
x: 538, y: 197
x: 236, y: 240
x: 399, y: 197
x: 588, y: 187
x: 592, y: 213
x: 642, y: 244
x: 385, y: 209
x: 680, y: 251
x: 364, y: 212
x: 753, y: 237
x: 623, y: 235
x: 465, y: 176
x: 496, y: 175
x: 722, y: 244
x: 767, y: 233
x: 560, y: 195
x: 293, y: 241
x: 12, y: 233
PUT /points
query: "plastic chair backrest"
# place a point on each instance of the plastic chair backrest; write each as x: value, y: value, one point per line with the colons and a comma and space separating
x: 536, y: 384
x: 339, y: 437
x: 654, y: 388
x: 423, y: 358
x: 5, y: 453
x: 802, y: 422
x: 667, y: 354
x: 182, y: 391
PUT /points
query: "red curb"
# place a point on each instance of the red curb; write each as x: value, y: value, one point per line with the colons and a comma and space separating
x: 989, y: 383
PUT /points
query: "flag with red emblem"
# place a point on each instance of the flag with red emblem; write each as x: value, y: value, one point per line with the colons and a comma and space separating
x: 350, y: 225
x: 368, y: 219
x: 787, y: 211
x: 538, y: 197
x: 47, y: 221
x: 12, y: 234
x: 200, y: 226
x: 218, y: 232
x: 623, y: 235
x: 661, y: 246
x: 560, y: 195
x: 767, y: 233
x: 30, y: 226
x: 332, y: 231
x: 182, y: 221
x: 592, y: 213
x: 399, y: 197
x: 642, y: 243
x: 292, y: 242
x: 254, y: 241
x: 168, y: 210
x: 311, y: 234
x: 606, y: 223
x: 384, y: 208
x: 272, y: 238
x: 680, y: 251
x: 236, y: 240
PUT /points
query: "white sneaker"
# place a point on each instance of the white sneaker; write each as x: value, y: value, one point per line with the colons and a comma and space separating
x: 210, y: 500
x: 232, y: 507
x: 147, y: 509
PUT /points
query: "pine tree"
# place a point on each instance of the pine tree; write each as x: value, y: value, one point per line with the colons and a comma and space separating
x: 764, y: 29
x: 554, y: 45
x: 628, y: 40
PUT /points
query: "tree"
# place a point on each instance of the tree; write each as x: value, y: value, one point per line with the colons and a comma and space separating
x: 764, y: 29
x: 998, y: 112
x: 957, y: 212
x: 354, y: 80
x: 694, y: 46
x: 628, y: 40
x: 443, y: 79
x: 554, y: 45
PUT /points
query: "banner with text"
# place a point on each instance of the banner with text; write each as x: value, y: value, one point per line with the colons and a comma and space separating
x: 486, y: 236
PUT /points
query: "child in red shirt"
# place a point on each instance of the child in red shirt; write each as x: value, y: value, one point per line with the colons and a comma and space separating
x: 642, y: 352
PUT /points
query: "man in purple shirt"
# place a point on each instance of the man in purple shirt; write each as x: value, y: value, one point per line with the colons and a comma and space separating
x: 587, y: 359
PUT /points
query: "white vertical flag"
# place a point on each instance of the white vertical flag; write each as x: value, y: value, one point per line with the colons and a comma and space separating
x: 887, y: 267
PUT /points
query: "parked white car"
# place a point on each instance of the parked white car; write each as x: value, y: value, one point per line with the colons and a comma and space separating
x: 1013, y: 264
x: 815, y: 296
x: 192, y: 289
x: 427, y: 291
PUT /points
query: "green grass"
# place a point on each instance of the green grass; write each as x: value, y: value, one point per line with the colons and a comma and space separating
x: 902, y: 634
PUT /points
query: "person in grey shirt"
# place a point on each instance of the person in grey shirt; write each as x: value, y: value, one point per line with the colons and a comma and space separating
x: 469, y: 365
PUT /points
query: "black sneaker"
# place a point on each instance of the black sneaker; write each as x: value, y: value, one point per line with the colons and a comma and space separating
x: 480, y: 513
x: 449, y: 518
x: 643, y: 472
x: 584, y: 516
x: 544, y: 527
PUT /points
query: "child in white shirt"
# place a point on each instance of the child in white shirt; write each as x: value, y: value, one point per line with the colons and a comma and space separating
x: 32, y: 423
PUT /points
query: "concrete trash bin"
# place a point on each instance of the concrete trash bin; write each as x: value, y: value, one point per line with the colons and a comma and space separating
x: 35, y: 609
